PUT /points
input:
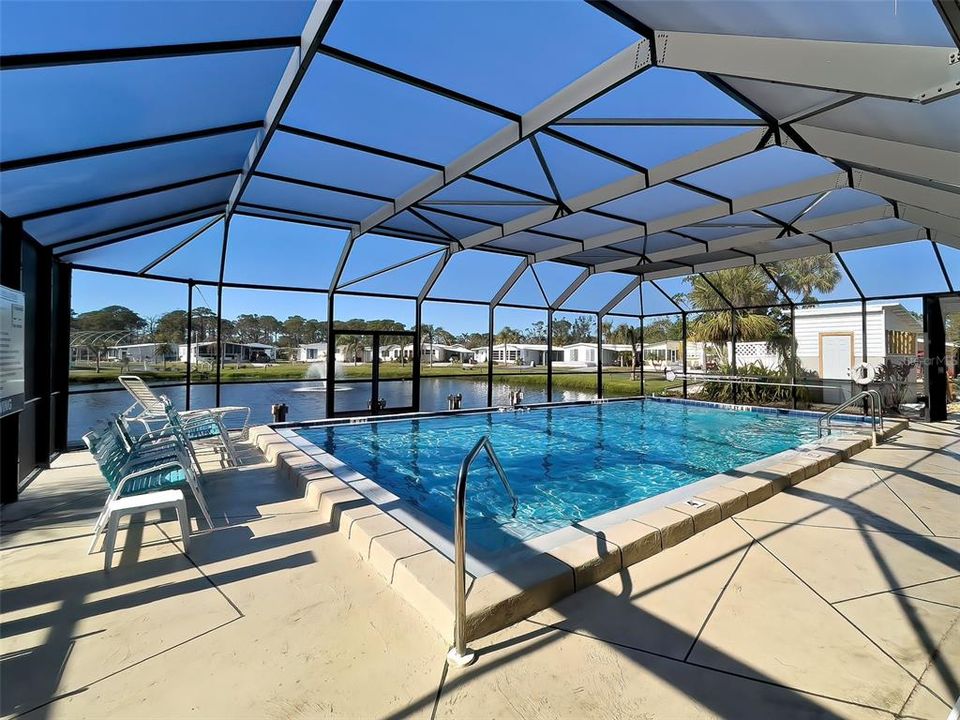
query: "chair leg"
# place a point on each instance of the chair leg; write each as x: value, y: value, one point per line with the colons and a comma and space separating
x: 203, y: 505
x: 98, y: 526
x: 184, y: 524
x: 231, y: 452
x: 193, y: 456
x: 110, y: 541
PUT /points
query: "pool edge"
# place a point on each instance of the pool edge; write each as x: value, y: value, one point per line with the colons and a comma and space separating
x: 423, y: 575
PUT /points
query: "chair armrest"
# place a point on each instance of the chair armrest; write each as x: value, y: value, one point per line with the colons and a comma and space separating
x: 149, y: 471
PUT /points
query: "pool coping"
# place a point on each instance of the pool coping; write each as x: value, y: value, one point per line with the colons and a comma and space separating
x: 570, y: 559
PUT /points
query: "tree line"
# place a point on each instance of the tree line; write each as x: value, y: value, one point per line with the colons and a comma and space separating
x: 750, y: 289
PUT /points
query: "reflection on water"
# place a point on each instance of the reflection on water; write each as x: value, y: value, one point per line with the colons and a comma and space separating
x: 306, y: 399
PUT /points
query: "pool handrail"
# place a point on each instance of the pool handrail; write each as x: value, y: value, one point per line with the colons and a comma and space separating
x: 876, y: 412
x: 459, y: 655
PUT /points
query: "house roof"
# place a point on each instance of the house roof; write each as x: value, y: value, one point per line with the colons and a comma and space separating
x: 822, y: 310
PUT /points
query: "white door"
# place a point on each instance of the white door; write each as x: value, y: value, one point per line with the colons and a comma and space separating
x: 836, y: 353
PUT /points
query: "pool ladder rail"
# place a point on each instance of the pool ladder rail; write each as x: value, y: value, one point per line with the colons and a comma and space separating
x: 459, y: 654
x: 876, y: 413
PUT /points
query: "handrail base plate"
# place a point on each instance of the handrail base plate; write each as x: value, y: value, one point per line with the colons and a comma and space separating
x: 469, y: 657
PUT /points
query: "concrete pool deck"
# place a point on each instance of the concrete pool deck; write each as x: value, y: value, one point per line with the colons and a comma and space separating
x: 838, y: 597
x: 415, y: 556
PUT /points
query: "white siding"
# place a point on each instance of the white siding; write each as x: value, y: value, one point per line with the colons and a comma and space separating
x: 880, y: 318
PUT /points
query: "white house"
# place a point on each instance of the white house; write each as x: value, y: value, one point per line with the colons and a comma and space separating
x: 530, y: 354
x: 584, y: 354
x: 231, y: 352
x: 350, y: 354
x: 312, y: 352
x: 439, y: 353
x: 830, y: 339
x: 152, y: 353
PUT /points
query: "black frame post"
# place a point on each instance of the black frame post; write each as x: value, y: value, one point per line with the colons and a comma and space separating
x: 223, y: 265
x: 11, y: 253
x: 63, y: 277
x: 417, y: 360
x: 549, y: 354
x: 189, y: 339
x: 683, y: 350
x: 490, y: 360
x: 599, y: 357
x: 935, y: 375
x: 793, y: 356
x: 733, y: 355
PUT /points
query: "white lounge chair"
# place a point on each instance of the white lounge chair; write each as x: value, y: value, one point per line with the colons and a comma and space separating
x: 149, y: 409
x: 129, y: 471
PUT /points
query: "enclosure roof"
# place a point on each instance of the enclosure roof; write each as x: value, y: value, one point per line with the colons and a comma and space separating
x: 649, y: 138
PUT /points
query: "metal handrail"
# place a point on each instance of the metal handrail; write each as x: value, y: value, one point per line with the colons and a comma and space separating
x: 876, y: 412
x: 459, y: 654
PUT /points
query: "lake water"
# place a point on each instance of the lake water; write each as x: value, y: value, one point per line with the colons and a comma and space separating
x: 306, y: 399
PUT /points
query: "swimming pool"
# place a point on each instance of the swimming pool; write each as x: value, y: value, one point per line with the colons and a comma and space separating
x: 566, y: 464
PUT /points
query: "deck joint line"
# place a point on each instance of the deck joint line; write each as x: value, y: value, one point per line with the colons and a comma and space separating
x: 203, y: 574
x: 897, y: 589
x: 716, y: 602
x: 832, y: 607
x: 905, y: 504
x: 709, y: 668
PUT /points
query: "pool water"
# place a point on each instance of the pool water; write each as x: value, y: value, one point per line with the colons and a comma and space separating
x: 566, y: 464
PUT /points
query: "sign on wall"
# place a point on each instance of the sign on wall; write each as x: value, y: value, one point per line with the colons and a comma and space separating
x: 11, y: 351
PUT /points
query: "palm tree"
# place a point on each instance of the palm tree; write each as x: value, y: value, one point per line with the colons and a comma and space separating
x: 427, y: 333
x: 744, y: 287
x: 805, y: 275
x: 508, y: 335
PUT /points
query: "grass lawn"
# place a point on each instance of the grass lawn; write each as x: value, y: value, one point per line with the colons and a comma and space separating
x: 614, y: 384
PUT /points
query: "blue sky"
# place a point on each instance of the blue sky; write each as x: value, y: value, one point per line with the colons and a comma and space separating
x: 890, y: 270
x: 538, y: 52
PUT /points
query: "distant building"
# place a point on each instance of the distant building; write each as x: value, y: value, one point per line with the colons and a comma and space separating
x: 528, y: 354
x: 232, y: 352
x: 151, y: 353
x: 830, y: 337
x: 440, y: 353
x: 584, y: 354
x: 830, y: 340
x: 312, y: 352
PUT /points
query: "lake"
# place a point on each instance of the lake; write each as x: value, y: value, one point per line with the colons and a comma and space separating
x: 306, y: 399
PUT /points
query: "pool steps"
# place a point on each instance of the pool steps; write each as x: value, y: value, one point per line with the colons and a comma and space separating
x: 425, y: 577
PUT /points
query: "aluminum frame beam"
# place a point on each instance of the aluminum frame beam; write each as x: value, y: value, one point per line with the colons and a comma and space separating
x: 899, y: 157
x: 716, y: 210
x: 571, y: 289
x: 867, y: 241
x: 901, y: 72
x: 623, y: 66
x: 929, y: 219
x: 510, y: 282
x: 900, y: 190
x: 180, y: 245
x: 620, y: 297
x: 151, y: 52
x: 318, y: 22
x: 713, y: 155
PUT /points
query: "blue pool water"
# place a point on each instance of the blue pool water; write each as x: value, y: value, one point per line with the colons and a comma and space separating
x: 565, y: 463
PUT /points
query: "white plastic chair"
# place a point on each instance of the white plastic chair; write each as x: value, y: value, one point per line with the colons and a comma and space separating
x: 129, y: 472
x: 152, y: 410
